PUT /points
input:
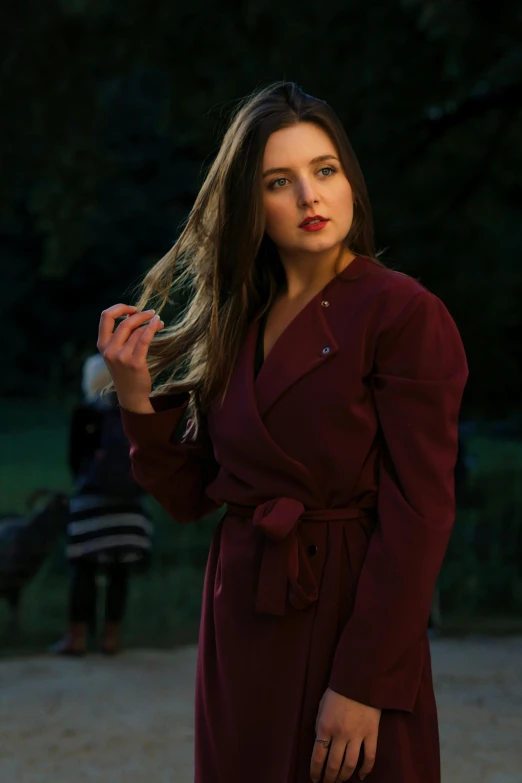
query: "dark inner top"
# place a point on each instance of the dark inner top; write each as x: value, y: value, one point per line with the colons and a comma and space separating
x: 260, y: 349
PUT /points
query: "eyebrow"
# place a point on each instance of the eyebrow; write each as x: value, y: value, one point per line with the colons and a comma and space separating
x: 319, y: 159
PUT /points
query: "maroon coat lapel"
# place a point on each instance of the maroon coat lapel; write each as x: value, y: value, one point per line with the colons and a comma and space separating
x: 238, y: 425
x: 243, y: 444
x: 305, y: 344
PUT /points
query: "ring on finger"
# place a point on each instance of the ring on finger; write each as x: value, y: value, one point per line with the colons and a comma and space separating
x: 325, y: 742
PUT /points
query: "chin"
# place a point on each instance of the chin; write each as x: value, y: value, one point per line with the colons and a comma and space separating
x: 319, y: 245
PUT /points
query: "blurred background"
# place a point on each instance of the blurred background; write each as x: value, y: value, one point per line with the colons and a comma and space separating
x: 110, y: 114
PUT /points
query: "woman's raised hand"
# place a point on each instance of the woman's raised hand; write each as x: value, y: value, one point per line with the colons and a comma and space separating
x: 125, y: 349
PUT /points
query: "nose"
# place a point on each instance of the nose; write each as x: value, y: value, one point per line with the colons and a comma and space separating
x: 307, y: 194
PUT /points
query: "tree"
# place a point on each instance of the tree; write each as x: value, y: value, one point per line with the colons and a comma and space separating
x: 112, y: 112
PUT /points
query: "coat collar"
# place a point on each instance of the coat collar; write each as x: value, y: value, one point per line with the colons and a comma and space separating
x: 305, y: 344
x: 239, y: 419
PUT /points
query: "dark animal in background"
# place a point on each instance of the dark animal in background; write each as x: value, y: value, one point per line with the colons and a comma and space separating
x: 26, y: 541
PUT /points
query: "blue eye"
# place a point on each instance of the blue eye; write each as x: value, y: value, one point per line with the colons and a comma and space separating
x: 276, y: 184
x: 329, y: 169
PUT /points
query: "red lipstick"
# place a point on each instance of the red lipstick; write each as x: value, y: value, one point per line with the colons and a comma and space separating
x: 314, y: 223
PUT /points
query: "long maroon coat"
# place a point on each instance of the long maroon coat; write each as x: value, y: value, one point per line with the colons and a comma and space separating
x: 337, y: 467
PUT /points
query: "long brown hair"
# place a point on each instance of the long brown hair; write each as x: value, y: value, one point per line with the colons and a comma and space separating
x: 228, y: 266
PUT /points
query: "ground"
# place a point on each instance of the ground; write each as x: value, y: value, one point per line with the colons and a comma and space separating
x: 129, y: 720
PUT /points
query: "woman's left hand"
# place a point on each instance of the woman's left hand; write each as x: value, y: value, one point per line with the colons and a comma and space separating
x: 346, y: 724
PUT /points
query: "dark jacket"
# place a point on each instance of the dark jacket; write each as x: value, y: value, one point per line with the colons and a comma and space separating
x: 106, y: 525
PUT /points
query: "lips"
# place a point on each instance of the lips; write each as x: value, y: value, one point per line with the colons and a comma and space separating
x: 313, y: 220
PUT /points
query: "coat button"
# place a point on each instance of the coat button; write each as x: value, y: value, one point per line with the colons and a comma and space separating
x: 312, y: 550
x: 325, y: 303
x: 326, y: 349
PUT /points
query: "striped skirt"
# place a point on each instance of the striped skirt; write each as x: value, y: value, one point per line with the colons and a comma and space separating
x: 108, y: 530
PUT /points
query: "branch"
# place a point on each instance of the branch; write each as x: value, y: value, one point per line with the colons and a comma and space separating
x: 476, y: 178
x: 507, y: 98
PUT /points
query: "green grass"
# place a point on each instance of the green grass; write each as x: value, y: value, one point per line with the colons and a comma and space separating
x: 490, y: 454
x: 34, y: 438
x: 482, y: 571
x: 480, y: 583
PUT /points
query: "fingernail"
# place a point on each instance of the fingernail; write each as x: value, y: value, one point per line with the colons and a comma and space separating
x: 361, y: 777
x: 155, y: 319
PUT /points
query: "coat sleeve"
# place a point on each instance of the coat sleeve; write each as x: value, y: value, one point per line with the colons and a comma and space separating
x: 419, y: 376
x: 172, y: 470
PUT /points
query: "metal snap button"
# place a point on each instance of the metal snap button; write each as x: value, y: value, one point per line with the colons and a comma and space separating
x: 312, y: 550
x: 325, y: 303
x: 326, y: 349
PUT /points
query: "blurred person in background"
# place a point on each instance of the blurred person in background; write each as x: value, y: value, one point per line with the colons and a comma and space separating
x: 324, y: 391
x: 109, y: 529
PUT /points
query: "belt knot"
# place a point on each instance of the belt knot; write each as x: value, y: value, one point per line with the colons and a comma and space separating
x: 286, y: 571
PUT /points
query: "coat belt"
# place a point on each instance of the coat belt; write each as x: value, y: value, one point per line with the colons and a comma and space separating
x: 285, y: 569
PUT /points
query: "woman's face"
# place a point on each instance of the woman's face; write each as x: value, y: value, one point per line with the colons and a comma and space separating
x: 302, y: 179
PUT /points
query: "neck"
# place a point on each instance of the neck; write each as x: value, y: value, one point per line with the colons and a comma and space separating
x: 310, y: 273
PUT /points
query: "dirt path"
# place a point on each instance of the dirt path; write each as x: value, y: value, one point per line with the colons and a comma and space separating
x: 130, y: 720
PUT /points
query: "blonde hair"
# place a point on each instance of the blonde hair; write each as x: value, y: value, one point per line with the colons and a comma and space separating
x: 95, y: 377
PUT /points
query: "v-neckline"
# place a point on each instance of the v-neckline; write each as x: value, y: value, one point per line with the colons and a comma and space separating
x: 263, y: 318
x: 259, y: 352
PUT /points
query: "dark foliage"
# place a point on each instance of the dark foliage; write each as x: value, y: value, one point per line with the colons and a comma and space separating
x: 110, y: 111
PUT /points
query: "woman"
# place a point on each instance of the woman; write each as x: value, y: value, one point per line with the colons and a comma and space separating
x: 108, y: 530
x: 324, y: 391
